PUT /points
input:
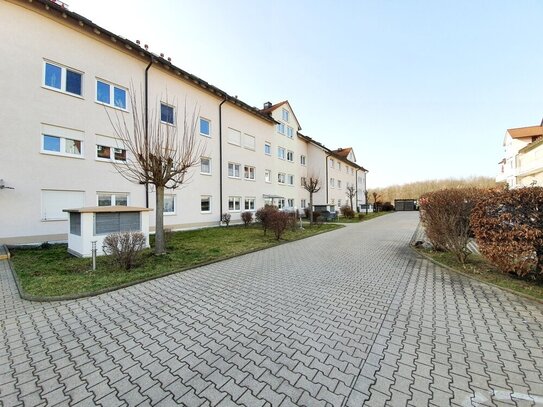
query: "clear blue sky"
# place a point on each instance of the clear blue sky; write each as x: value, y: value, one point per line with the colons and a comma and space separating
x: 420, y: 89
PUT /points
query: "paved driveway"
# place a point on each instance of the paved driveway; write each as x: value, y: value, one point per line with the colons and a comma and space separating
x: 340, y: 319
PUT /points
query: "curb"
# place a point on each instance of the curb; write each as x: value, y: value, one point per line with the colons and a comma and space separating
x: 29, y: 297
x: 520, y: 294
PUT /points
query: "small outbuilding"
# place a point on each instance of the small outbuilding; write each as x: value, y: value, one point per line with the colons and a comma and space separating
x: 405, y: 204
x: 93, y: 224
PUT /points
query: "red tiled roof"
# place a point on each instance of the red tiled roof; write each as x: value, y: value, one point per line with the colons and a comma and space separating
x: 273, y: 107
x: 343, y: 152
x: 522, y: 132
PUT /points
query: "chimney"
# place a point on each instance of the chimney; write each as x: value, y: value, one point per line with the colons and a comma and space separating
x: 267, y: 105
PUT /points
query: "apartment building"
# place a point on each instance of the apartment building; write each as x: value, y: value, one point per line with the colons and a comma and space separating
x: 515, y: 140
x: 70, y: 78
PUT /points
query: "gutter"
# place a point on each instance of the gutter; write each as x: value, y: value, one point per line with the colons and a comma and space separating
x: 220, y: 158
x: 356, y: 187
x: 146, y: 132
x: 327, y: 181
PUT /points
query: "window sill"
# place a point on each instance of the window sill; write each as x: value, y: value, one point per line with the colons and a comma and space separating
x: 205, y: 135
x: 167, y: 124
x: 169, y: 213
x: 249, y: 179
x: 109, y: 160
x: 78, y: 157
x: 206, y: 213
x: 54, y: 220
x: 238, y: 178
x: 111, y: 106
x: 207, y: 174
x: 63, y: 92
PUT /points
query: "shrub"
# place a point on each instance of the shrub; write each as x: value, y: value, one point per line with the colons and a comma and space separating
x: 226, y: 218
x: 508, y: 226
x: 347, y: 211
x: 278, y: 222
x: 446, y: 217
x: 263, y: 216
x: 387, y: 207
x: 361, y: 216
x: 247, y: 217
x: 124, y: 248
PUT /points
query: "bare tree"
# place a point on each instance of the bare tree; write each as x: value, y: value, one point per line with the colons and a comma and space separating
x: 157, y: 154
x: 376, y: 198
x: 366, y: 200
x: 351, y: 193
x: 312, y: 184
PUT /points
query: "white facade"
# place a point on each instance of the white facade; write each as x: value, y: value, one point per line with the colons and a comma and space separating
x: 68, y: 77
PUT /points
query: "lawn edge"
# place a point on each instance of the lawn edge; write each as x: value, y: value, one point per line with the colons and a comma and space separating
x: 509, y: 290
x: 67, y: 297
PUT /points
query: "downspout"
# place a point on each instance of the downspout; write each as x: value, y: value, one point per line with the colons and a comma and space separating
x: 220, y: 158
x: 356, y: 188
x: 327, y: 180
x: 146, y: 133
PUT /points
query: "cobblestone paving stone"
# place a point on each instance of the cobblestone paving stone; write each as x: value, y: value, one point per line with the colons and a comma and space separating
x: 347, y: 318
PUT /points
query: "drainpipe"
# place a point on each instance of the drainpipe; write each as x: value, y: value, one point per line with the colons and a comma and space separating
x: 356, y: 188
x: 146, y: 135
x: 220, y: 158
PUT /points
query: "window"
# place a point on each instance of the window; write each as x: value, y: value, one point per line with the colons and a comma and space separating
x: 302, y: 159
x: 54, y: 201
x: 280, y: 203
x: 303, y: 203
x: 205, y: 165
x: 267, y: 175
x: 249, y: 204
x: 234, y: 137
x: 110, y: 94
x: 63, y: 79
x: 248, y: 142
x: 61, y: 146
x: 233, y: 170
x: 267, y: 148
x: 106, y: 223
x: 339, y: 203
x: 281, y: 177
x: 303, y: 181
x: 169, y: 204
x: 285, y: 115
x: 281, y: 153
x: 110, y: 153
x: 339, y: 165
x: 290, y: 132
x: 339, y: 183
x: 290, y: 203
x: 112, y: 199
x: 234, y: 203
x: 290, y: 179
x: 205, y: 127
x: 205, y: 204
x: 333, y: 201
x: 332, y: 183
x: 166, y: 114
x: 249, y: 172
x: 331, y: 163
x: 75, y: 223
x: 290, y: 156
x: 281, y: 128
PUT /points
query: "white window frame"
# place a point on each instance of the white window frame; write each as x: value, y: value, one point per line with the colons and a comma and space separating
x: 303, y: 180
x: 210, y: 168
x: 303, y: 203
x: 234, y: 166
x: 285, y: 115
x: 234, y: 200
x: 281, y: 178
x: 63, y: 69
x: 113, y: 197
x: 251, y: 171
x: 290, y: 179
x: 332, y: 183
x: 290, y: 203
x: 281, y: 153
x: 230, y: 140
x: 303, y: 160
x: 267, y: 176
x: 200, y: 127
x: 252, y: 203
x: 267, y: 146
x: 62, y: 147
x: 202, y: 197
x: 174, y: 114
x: 112, y: 87
x: 174, y: 204
x: 339, y: 165
x: 290, y: 156
x: 111, y: 154
x: 290, y: 132
x: 246, y: 142
x: 281, y: 128
x: 280, y: 203
x: 339, y: 183
x: 331, y: 163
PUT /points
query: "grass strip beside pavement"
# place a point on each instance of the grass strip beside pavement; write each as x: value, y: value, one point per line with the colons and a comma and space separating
x: 481, y: 269
x: 50, y: 271
x: 369, y: 216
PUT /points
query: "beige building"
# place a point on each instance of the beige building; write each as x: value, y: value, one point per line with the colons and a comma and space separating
x: 530, y: 164
x: 73, y: 76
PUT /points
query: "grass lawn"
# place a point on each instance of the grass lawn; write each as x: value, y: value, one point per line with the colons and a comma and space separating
x: 51, y: 271
x: 370, y: 215
x: 478, y: 267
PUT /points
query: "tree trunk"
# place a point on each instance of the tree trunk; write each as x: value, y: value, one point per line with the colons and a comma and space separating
x: 160, y: 246
x: 311, y: 209
x: 351, y: 198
